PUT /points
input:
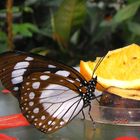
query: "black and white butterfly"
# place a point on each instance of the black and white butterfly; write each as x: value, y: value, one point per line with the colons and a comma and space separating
x: 50, y: 94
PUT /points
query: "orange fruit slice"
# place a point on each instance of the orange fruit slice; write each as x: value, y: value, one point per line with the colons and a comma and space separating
x: 86, y: 69
x: 125, y: 93
x: 120, y: 68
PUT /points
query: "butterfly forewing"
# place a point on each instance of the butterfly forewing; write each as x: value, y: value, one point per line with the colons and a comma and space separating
x: 16, y: 66
x: 49, y: 101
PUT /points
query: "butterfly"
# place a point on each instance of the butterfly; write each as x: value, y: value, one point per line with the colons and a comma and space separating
x: 50, y: 94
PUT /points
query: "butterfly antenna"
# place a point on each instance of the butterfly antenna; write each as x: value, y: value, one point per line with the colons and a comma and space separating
x: 97, y: 65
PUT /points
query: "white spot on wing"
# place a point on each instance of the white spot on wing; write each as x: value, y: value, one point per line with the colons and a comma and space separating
x: 28, y: 88
x: 63, y: 73
x: 49, y: 122
x: 43, y: 126
x: 49, y: 129
x: 36, y: 85
x: 36, y: 119
x: 32, y: 116
x: 17, y: 80
x: 27, y: 83
x: 51, y: 66
x: 43, y: 117
x: 31, y: 103
x: 16, y: 88
x: 29, y: 58
x: 40, y: 124
x: 31, y: 95
x: 62, y: 122
x: 21, y: 65
x: 72, y: 81
x: 47, y: 72
x: 26, y: 108
x: 36, y: 110
x: 34, y: 78
x: 17, y: 73
x: 44, y: 77
x: 77, y: 79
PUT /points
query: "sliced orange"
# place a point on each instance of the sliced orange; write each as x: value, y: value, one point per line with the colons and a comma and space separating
x: 120, y: 68
x: 125, y: 93
x: 86, y: 69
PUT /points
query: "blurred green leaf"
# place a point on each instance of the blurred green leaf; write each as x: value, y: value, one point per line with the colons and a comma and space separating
x: 40, y: 50
x: 131, y: 1
x: 44, y: 2
x: 126, y: 12
x: 28, y: 9
x: 53, y: 2
x: 24, y: 29
x: 3, y: 48
x: 3, y: 36
x: 15, y: 9
x: 30, y: 2
x: 105, y: 23
x: 134, y: 28
x: 71, y: 14
x: 3, y: 42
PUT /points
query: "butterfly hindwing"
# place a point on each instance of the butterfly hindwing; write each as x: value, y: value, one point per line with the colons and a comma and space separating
x: 49, y: 101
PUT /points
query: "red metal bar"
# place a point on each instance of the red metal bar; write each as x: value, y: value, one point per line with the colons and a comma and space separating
x: 12, y: 121
x: 126, y: 138
x: 5, y: 91
x: 6, y: 137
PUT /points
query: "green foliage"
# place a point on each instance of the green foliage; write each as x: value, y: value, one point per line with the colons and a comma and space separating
x: 71, y: 30
x: 127, y: 20
x: 69, y: 16
x: 127, y: 12
x: 3, y: 41
x: 24, y: 29
x: 134, y: 28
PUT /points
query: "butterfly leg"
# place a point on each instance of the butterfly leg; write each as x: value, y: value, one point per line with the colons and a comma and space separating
x: 83, y: 114
x: 97, y: 100
x: 89, y: 113
x: 98, y: 97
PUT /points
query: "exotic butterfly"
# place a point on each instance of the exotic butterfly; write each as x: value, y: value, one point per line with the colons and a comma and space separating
x: 50, y: 93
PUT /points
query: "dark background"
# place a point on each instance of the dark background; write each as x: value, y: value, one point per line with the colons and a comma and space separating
x: 70, y: 30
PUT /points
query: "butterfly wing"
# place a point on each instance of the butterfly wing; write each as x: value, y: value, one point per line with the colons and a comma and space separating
x: 16, y: 66
x: 49, y: 101
x: 49, y: 91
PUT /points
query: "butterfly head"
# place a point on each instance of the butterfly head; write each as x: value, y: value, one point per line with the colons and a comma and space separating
x: 92, y: 83
x: 89, y: 95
